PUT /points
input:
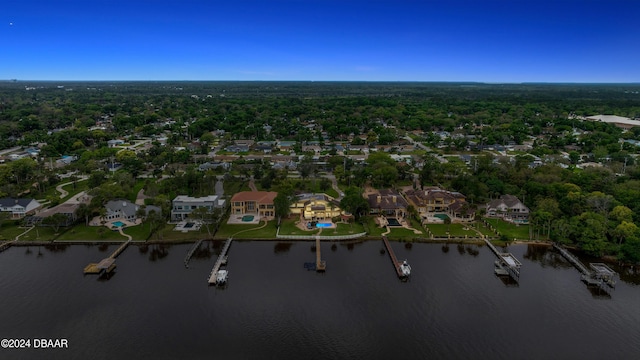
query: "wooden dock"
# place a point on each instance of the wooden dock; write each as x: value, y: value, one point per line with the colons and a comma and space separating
x: 120, y: 249
x: 507, y: 264
x: 108, y: 264
x: 599, y: 275
x: 572, y: 259
x: 222, y: 259
x: 191, y: 252
x: 392, y: 255
x: 5, y: 245
x: 321, y: 265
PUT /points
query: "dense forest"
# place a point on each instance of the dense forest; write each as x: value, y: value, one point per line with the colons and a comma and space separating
x: 596, y: 208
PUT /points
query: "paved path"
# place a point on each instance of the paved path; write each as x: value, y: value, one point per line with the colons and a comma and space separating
x: 6, y: 151
x: 252, y: 185
x: 219, y: 188
x: 63, y: 192
x: 123, y: 234
x: 29, y: 229
x: 140, y: 197
x: 334, y: 185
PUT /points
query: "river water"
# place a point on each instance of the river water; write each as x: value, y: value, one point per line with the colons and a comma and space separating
x: 453, y: 306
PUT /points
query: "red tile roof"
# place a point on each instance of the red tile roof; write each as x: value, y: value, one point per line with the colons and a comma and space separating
x: 261, y: 197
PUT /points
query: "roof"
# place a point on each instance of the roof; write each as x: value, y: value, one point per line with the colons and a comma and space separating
x: 65, y: 208
x: 614, y: 119
x: 257, y: 196
x: 185, y: 198
x: 126, y: 206
x: 384, y: 199
x: 509, y: 201
x: 11, y: 202
x: 431, y: 193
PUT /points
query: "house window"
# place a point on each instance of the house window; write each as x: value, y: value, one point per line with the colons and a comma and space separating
x: 251, y: 206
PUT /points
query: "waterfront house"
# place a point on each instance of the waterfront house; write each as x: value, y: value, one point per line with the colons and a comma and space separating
x: 432, y: 203
x: 183, y: 205
x: 314, y: 207
x: 69, y: 210
x: 509, y: 208
x: 254, y: 202
x: 388, y: 202
x: 19, y: 207
x: 121, y: 209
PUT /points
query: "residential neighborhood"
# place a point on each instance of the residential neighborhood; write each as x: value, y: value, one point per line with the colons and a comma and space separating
x: 462, y: 177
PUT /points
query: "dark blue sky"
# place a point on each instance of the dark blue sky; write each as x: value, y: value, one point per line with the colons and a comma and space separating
x: 375, y: 40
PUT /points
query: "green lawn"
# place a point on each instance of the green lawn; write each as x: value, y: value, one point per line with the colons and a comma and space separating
x: 168, y: 234
x: 138, y: 232
x: 288, y: 227
x: 82, y: 232
x: 344, y: 229
x: 455, y: 230
x: 9, y: 230
x: 239, y: 231
x: 371, y: 227
x: 400, y: 233
x: 511, y: 231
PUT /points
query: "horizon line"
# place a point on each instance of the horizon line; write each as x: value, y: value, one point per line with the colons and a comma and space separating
x: 347, y: 81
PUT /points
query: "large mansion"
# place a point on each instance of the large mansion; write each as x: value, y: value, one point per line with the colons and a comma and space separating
x: 254, y: 202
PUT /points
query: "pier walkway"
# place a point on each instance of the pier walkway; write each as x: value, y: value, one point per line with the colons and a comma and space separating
x: 7, y: 244
x: 222, y: 259
x: 599, y: 274
x: 108, y: 264
x: 507, y: 264
x: 321, y: 265
x: 392, y: 255
x: 191, y: 252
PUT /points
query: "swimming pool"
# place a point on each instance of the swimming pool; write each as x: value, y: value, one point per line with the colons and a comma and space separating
x: 323, y: 225
x: 393, y: 222
x: 247, y: 218
x: 443, y: 217
x: 188, y: 225
x: 118, y: 223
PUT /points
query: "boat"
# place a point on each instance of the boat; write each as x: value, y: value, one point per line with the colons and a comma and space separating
x: 221, y: 277
x: 405, y: 268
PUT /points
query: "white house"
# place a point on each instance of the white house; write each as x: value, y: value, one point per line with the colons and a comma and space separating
x: 183, y: 205
x: 121, y: 209
x: 19, y: 208
x: 509, y: 208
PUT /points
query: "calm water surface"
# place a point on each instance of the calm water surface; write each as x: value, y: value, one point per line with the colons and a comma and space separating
x: 453, y: 307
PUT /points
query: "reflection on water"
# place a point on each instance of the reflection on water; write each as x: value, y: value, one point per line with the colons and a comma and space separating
x: 599, y: 293
x: 282, y: 247
x: 158, y: 252
x: 54, y: 248
x: 452, y: 307
x: 629, y: 274
x: 472, y: 250
x: 546, y: 256
x: 508, y: 281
